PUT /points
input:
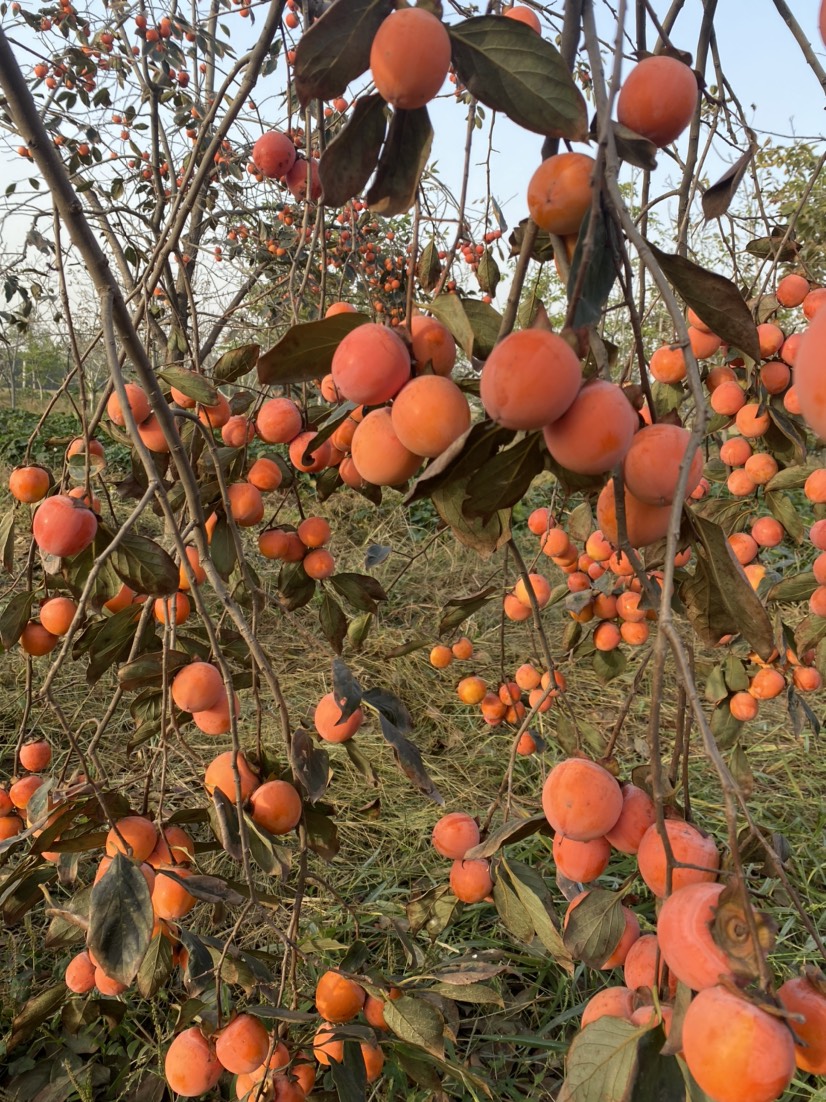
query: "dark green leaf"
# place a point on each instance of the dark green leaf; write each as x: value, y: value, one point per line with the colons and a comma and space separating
x: 790, y: 478
x: 725, y: 728
x: 429, y: 267
x: 121, y: 919
x: 409, y: 760
x: 633, y: 148
x: 783, y: 509
x: 145, y: 566
x: 718, y: 197
x: 510, y: 68
x: 483, y: 536
x: 191, y: 384
x: 402, y: 162
x: 784, y: 438
x: 14, y: 618
x: 310, y: 764
x: 269, y: 857
x: 359, y: 590
x: 532, y: 892
x: 156, y: 967
x: 487, y: 273
x: 595, y: 927
x: 390, y: 706
x: 515, y: 830
x: 797, y: 587
x: 236, y: 363
x: 350, y: 1077
x: 295, y: 588
x: 336, y: 49
x: 417, y: 1021
x: 715, y: 300
x: 608, y: 665
x: 322, y: 835
x: 461, y: 459
x: 333, y: 622
x: 346, y: 689
x: 34, y: 1013
x: 474, y: 325
x: 601, y: 271
x: 433, y: 911
x: 362, y: 763
x: 305, y: 352
x: 7, y: 540
x: 505, y: 478
x: 348, y: 161
x: 458, y: 609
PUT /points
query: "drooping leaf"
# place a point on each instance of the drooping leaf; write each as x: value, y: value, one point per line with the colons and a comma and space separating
x: 305, y: 352
x: 725, y: 728
x: 510, y: 68
x: 269, y: 857
x: 222, y: 547
x: 409, y: 760
x: 717, y: 198
x: 603, y: 1061
x: 190, y: 383
x: 797, y: 587
x: 595, y: 927
x: 346, y: 689
x: 719, y: 599
x: 336, y: 49
x: 715, y: 300
x: 541, y: 250
x: 783, y: 509
x: 402, y: 162
x: 389, y: 705
x: 359, y: 590
x: 333, y: 622
x: 7, y: 540
x: 483, y: 536
x: 505, y: 478
x: 461, y: 459
x: 350, y: 1075
x: 349, y: 160
x: 322, y: 835
x: 433, y: 911
x: 34, y: 1012
x: 784, y: 438
x: 295, y: 587
x: 601, y: 271
x: 608, y: 665
x: 777, y: 245
x: 473, y: 324
x: 156, y: 966
x: 634, y: 148
x: 311, y: 764
x: 235, y: 363
x: 487, y: 273
x: 532, y: 892
x: 14, y: 618
x: 458, y: 609
x: 515, y: 830
x: 429, y: 267
x: 145, y: 566
x: 120, y: 919
x: 417, y: 1021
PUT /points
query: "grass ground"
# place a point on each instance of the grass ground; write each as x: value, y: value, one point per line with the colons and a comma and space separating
x: 385, y: 860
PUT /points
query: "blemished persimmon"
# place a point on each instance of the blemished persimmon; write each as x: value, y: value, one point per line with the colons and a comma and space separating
x: 22, y: 791
x: 337, y: 998
x: 36, y: 640
x: 274, y: 154
x: 378, y: 454
x: 800, y: 996
x: 736, y: 1051
x: 63, y: 526
x: 611, y: 1002
x: 216, y: 720
x: 276, y: 806
x: 265, y: 474
x: 560, y: 192
x: 220, y: 774
x: 80, y: 974
x: 470, y: 881
x: 29, y: 484
x: 454, y: 834
x: 636, y: 817
x: 314, y: 531
x: 684, y: 934
x: 433, y: 345
x: 429, y: 413
x: 688, y: 845
x: 197, y: 686
x: 371, y: 364
x: 596, y: 430
x: 137, y: 401
x: 409, y: 58
x: 133, y: 835
x: 581, y: 861
x: 644, y: 523
x: 581, y: 799
x: 191, y: 1066
x: 170, y: 899
x: 806, y: 679
x: 57, y: 613
x: 328, y: 722
x: 242, y: 1045
x: 278, y: 421
x: 524, y: 15
x: 658, y: 99
x: 809, y: 375
x: 652, y: 463
x: 667, y: 364
x: 530, y: 379
x: 173, y: 847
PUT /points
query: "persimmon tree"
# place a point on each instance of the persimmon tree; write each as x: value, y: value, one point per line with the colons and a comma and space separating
x: 294, y: 307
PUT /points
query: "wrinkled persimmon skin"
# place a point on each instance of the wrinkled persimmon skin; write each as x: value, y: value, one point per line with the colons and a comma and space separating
x: 686, y: 942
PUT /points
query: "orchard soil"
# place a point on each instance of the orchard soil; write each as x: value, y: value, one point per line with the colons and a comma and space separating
x: 386, y: 858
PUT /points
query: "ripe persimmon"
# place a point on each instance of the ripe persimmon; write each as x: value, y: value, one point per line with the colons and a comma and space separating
x: 319, y: 564
x: 470, y: 880
x: 63, y: 526
x: 216, y: 720
x: 36, y: 640
x: 685, y: 938
x: 652, y: 463
x: 265, y: 474
x: 29, y: 484
x: 371, y: 364
x: 337, y: 998
x: 22, y: 791
x: 636, y: 817
x: 736, y: 1051
x: 10, y: 825
x: 658, y: 99
x: 524, y: 15
x: 172, y: 610
x: 242, y: 1045
x: 173, y: 847
x: 191, y: 1066
x: 278, y: 421
x: 314, y: 531
x: 792, y: 289
x: 197, y: 686
x: 667, y: 364
x: 276, y: 806
x: 429, y: 413
x: 581, y: 799
x: 220, y: 774
x: 378, y: 454
x: 596, y: 430
x: 688, y: 846
x: 540, y: 587
x: 454, y: 834
x: 57, y: 613
x: 170, y: 899
x: 800, y: 996
x: 433, y: 345
x: 328, y: 722
x: 560, y: 192
x: 409, y: 58
x: 245, y: 503
x: 274, y: 154
x: 80, y: 974
x: 530, y: 379
x: 611, y: 1002
x: 809, y: 374
x: 133, y: 835
x: 471, y: 690
x: 138, y: 404
x: 581, y: 862
x: 644, y: 523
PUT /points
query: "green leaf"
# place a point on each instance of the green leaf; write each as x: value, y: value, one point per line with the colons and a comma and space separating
x: 322, y: 835
x: 120, y: 919
x: 310, y: 764
x: 797, y: 587
x: 349, y: 160
x: 336, y: 49
x: 461, y: 459
x: 359, y: 590
x: 269, y: 857
x: 191, y: 384
x: 510, y: 68
x: 725, y: 728
x: 7, y: 540
x: 156, y: 966
x: 601, y: 272
x: 333, y: 622
x: 505, y: 478
x: 515, y: 830
x: 715, y: 300
x: 602, y: 1062
x: 532, y: 893
x: 719, y: 599
x: 409, y: 760
x: 608, y: 665
x: 483, y: 536
x: 783, y: 509
x: 487, y: 273
x: 478, y: 993
x: 14, y: 618
x: 790, y: 478
x: 350, y: 1077
x: 34, y: 1013
x: 429, y: 267
x: 416, y: 1021
x: 222, y: 547
x: 458, y: 609
x: 402, y: 162
x: 595, y: 927
x: 145, y: 566
x: 236, y: 363
x: 306, y: 351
